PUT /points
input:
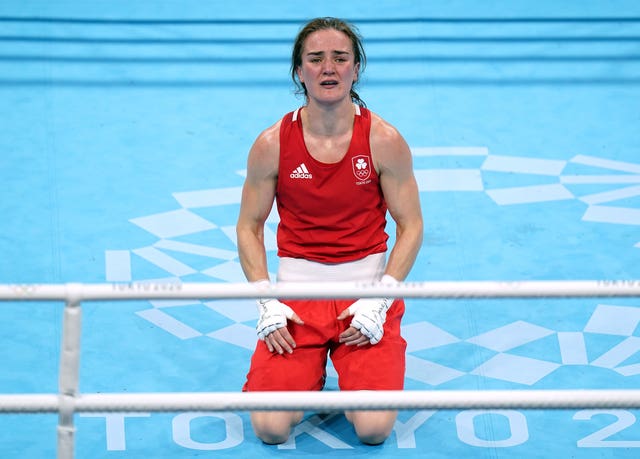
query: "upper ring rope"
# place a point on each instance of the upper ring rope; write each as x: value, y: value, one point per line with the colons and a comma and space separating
x: 73, y: 292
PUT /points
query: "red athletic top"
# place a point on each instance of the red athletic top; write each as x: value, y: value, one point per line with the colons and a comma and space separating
x: 329, y: 213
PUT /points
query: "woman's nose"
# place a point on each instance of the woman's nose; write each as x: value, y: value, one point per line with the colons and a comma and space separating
x: 327, y: 67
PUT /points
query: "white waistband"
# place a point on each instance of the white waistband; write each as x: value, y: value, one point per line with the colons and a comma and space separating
x: 368, y: 269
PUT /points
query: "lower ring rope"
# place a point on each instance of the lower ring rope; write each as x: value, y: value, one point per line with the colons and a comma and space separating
x: 327, y: 401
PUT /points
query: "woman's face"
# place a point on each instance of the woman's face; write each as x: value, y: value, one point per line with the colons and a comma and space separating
x: 328, y: 68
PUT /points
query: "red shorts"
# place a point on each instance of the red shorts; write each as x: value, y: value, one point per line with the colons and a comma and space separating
x: 370, y: 367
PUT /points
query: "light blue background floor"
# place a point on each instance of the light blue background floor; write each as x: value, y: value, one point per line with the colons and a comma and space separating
x: 123, y: 143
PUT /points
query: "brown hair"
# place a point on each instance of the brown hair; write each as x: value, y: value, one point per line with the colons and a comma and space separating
x: 323, y: 24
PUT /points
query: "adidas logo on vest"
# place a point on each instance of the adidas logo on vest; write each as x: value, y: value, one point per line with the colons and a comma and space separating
x: 301, y: 172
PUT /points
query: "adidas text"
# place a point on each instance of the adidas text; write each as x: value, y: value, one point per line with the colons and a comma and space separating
x: 300, y: 175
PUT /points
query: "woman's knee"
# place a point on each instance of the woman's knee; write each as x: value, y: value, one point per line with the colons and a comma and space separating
x: 372, y: 427
x: 274, y: 427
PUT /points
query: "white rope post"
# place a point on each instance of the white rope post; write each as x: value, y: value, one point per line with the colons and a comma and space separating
x: 68, y: 377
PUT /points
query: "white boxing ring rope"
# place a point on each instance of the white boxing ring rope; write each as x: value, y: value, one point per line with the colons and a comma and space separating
x: 69, y: 401
x: 325, y: 401
x: 71, y: 292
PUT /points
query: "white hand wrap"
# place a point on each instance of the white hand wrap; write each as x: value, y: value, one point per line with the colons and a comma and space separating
x: 273, y: 314
x: 369, y: 314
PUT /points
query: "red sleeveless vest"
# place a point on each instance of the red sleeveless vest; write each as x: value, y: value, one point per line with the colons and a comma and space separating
x: 329, y: 213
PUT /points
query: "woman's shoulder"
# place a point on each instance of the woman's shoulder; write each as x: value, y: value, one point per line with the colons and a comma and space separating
x: 382, y: 131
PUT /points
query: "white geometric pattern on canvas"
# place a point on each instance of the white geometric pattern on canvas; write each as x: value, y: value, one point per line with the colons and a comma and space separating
x: 501, y: 360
